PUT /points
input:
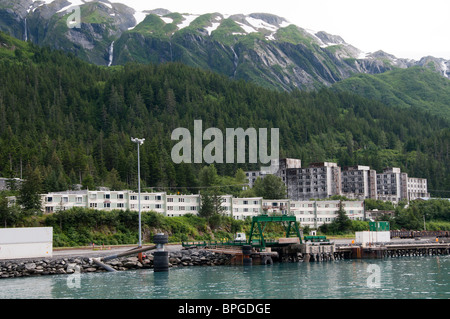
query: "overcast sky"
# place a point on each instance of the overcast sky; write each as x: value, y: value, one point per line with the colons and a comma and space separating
x: 408, y: 29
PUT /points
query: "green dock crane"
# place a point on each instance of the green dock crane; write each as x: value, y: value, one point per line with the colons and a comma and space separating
x: 259, y: 224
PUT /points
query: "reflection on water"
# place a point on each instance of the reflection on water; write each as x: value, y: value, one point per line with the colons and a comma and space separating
x: 402, y: 278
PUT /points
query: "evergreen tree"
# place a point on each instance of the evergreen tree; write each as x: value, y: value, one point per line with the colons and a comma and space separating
x: 29, y: 194
x: 270, y: 187
x: 343, y: 223
x: 211, y: 204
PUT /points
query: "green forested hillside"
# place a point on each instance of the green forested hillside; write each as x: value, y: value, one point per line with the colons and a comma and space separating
x: 72, y: 122
x: 417, y: 87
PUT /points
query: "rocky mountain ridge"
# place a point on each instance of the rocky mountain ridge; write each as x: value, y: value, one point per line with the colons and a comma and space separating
x: 259, y: 47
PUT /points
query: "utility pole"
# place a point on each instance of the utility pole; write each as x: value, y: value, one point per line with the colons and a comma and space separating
x: 139, y: 142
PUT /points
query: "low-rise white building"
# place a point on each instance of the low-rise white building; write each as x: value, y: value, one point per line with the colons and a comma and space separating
x: 246, y: 207
x: 317, y: 213
x: 308, y: 213
x: 179, y: 205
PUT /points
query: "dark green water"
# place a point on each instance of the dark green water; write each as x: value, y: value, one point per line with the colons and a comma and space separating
x: 402, y: 278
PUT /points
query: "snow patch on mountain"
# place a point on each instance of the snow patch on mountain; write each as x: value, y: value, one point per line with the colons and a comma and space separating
x: 214, y: 26
x: 139, y: 16
x: 73, y: 3
x: 260, y: 24
x: 271, y: 37
x: 188, y: 18
x: 167, y: 19
x: 248, y: 29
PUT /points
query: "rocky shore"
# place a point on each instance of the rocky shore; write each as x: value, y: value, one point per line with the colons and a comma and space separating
x: 72, y: 264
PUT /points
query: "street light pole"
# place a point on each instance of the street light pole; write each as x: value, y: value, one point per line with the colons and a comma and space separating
x: 139, y: 142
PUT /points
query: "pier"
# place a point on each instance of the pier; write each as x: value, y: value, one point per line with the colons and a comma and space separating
x: 374, y: 244
x: 313, y: 249
x: 392, y: 250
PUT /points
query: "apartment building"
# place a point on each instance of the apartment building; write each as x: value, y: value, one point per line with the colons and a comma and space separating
x: 307, y: 213
x: 389, y: 185
x: 318, y: 181
x: 359, y: 182
x: 252, y: 176
x: 417, y: 188
x: 6, y: 182
x: 53, y: 202
x: 243, y: 208
x: 323, y: 180
x: 179, y: 205
x: 278, y: 206
x: 278, y: 167
x: 317, y: 213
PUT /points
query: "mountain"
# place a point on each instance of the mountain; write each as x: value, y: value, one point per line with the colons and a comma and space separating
x: 70, y: 122
x: 258, y: 47
x: 415, y: 87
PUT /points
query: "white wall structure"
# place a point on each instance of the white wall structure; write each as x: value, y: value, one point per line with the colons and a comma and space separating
x: 369, y: 237
x: 17, y: 243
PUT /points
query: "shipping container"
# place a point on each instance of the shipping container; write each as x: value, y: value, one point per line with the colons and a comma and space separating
x: 379, y: 226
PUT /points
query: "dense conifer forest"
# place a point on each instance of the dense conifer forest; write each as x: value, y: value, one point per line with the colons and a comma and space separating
x: 70, y: 122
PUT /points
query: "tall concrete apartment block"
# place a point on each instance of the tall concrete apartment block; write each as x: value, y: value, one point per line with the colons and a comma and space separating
x: 277, y: 167
x: 391, y: 184
x: 417, y: 188
x: 323, y: 180
x: 359, y: 182
x: 319, y: 181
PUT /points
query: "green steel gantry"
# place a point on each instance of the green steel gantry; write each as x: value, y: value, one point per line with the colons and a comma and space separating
x: 259, y: 224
